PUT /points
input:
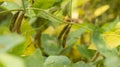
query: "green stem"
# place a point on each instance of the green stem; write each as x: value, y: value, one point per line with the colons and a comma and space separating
x: 23, y: 3
x: 6, y: 11
x: 95, y: 56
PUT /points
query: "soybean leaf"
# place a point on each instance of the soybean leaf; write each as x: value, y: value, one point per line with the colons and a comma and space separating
x: 9, y: 41
x: 72, y: 38
x: 26, y: 28
x: 56, y: 61
x: 43, y: 4
x: 34, y: 60
x: 112, y: 61
x: 84, y: 51
x: 54, y: 20
x: 99, y: 11
x: 100, y: 44
x: 67, y: 9
x: 18, y: 50
x: 74, y: 35
x: 4, y: 30
x: 49, y: 44
x: 10, y: 5
x: 8, y: 60
x: 110, y: 26
x: 1, y: 64
x: 81, y: 64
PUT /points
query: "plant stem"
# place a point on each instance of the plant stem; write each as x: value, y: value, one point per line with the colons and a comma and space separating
x: 95, y: 57
x: 23, y: 4
x: 10, y: 11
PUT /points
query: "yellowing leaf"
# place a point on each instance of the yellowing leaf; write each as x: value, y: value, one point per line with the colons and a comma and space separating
x: 50, y: 30
x: 29, y: 46
x: 74, y: 54
x: 59, y: 29
x: 9, y: 60
x: 92, y: 47
x: 26, y: 28
x: 1, y: 0
x: 101, y: 10
x: 112, y: 39
x: 77, y: 3
x: 18, y: 2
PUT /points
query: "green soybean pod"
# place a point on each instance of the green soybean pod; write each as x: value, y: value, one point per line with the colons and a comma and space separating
x: 13, y: 20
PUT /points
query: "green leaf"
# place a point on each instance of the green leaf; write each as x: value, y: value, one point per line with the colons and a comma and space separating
x: 43, y: 4
x: 98, y: 41
x: 67, y: 9
x: 74, y: 35
x: 56, y: 61
x: 26, y: 28
x: 113, y: 61
x: 18, y: 50
x: 4, y: 30
x: 34, y: 60
x: 84, y: 51
x: 10, y: 5
x: 30, y: 14
x: 49, y: 44
x: 1, y: 64
x: 11, y: 61
x: 54, y: 20
x: 9, y: 41
x: 101, y: 45
x: 81, y: 64
x: 58, y: 2
x: 72, y: 38
x: 110, y: 26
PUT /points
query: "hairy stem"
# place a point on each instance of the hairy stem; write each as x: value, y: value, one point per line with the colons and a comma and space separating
x: 95, y: 56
